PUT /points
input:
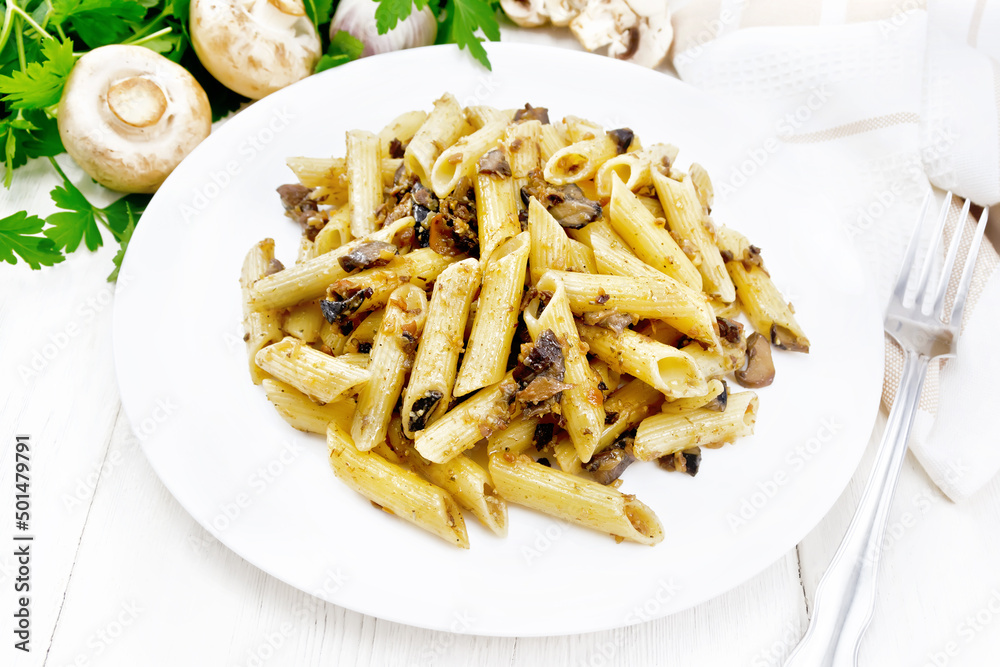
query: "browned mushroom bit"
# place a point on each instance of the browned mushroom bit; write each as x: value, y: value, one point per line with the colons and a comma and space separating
x: 566, y: 203
x: 396, y: 149
x: 720, y: 401
x: 453, y: 230
x: 688, y: 461
x: 422, y: 407
x: 759, y: 369
x: 298, y: 205
x: 729, y: 330
x: 784, y: 339
x: 339, y: 311
x: 610, y: 319
x: 368, y: 255
x: 623, y: 138
x: 608, y: 465
x: 494, y: 163
x: 532, y: 113
x: 539, y: 376
x: 544, y: 433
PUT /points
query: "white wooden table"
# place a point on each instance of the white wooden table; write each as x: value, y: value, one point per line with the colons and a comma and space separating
x: 121, y: 575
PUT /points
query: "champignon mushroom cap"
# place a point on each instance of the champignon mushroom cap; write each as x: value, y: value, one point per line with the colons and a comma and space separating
x: 759, y: 370
x: 638, y: 31
x: 254, y: 47
x: 526, y: 13
x: 128, y: 116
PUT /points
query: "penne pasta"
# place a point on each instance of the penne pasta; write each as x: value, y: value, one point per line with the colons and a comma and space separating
x: 524, y: 482
x: 364, y: 173
x: 335, y: 233
x: 669, y: 370
x: 650, y: 241
x: 580, y: 161
x: 320, y: 376
x: 469, y: 484
x: 549, y: 243
x: 459, y: 160
x: 401, y: 129
x: 523, y: 150
x: 304, y: 321
x: 583, y: 404
x: 303, y: 413
x: 496, y: 318
x: 686, y: 217
x: 429, y: 391
x: 443, y: 127
x: 260, y: 327
x: 391, y: 355
x: 667, y: 433
x: 396, y: 490
x: 763, y: 304
x: 496, y: 203
x: 516, y: 438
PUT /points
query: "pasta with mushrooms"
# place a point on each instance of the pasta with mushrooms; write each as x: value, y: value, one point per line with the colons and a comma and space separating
x: 490, y: 308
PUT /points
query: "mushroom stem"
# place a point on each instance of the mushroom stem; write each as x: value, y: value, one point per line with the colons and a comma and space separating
x: 137, y: 101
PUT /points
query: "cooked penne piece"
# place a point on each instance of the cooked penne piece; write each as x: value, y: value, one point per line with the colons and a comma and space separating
x: 320, y: 376
x: 714, y: 363
x: 469, y: 484
x: 260, y: 327
x: 611, y: 254
x: 391, y: 354
x: 548, y: 241
x: 703, y: 185
x: 335, y: 233
x: 479, y: 417
x: 524, y: 482
x: 669, y: 370
x: 305, y: 414
x: 631, y: 168
x: 577, y: 129
x: 402, y: 129
x: 329, y: 175
x: 580, y: 258
x: 443, y: 127
x: 667, y: 433
x: 429, y: 391
x: 364, y: 173
x: 581, y: 160
x: 496, y: 317
x: 359, y: 359
x: 655, y: 298
x: 566, y: 455
x: 362, y: 337
x: 396, y: 490
x: 459, y: 160
x: 523, y: 150
x: 478, y: 116
x: 583, y: 404
x: 309, y: 280
x: 306, y: 250
x: 496, y: 203
x: 304, y: 321
x: 763, y: 304
x: 648, y: 240
x: 516, y: 438
x: 653, y: 205
x: 716, y: 396
x: 332, y: 338
x: 419, y: 267
x: 626, y: 408
x: 550, y: 142
x: 686, y: 217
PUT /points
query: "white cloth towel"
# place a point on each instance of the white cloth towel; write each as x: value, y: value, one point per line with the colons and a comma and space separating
x: 880, y: 100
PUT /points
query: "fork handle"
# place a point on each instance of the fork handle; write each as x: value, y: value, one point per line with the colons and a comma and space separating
x: 845, y: 599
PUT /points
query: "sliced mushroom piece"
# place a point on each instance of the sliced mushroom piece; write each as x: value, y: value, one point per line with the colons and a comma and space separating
x: 529, y: 112
x: 566, y: 203
x: 128, y: 116
x: 561, y: 12
x: 759, y: 369
x: 720, y: 401
x: 688, y: 461
x: 607, y: 466
x: 729, y: 330
x: 340, y: 310
x: 368, y: 255
x: 526, y: 13
x: 254, y: 47
x: 495, y: 163
x: 623, y: 138
x: 786, y: 340
x: 648, y: 40
x: 298, y: 205
x: 422, y: 407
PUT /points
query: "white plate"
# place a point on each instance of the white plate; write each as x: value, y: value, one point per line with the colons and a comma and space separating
x: 266, y: 490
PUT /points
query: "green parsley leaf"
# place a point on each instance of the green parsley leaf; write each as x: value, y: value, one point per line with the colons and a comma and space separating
x: 124, y: 239
x: 343, y: 48
x: 76, y: 222
x: 319, y: 11
x: 463, y: 18
x: 43, y: 140
x: 98, y: 22
x: 17, y: 235
x: 40, y: 84
x: 390, y: 12
x: 119, y: 214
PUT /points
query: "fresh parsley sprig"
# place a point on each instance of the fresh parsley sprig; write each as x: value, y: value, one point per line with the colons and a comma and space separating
x: 40, y: 42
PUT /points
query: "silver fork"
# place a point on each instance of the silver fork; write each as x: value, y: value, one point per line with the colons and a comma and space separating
x: 845, y: 599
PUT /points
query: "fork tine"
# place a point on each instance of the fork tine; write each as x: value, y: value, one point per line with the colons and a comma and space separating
x: 925, y: 270
x: 949, y: 264
x: 970, y: 265
x: 899, y: 292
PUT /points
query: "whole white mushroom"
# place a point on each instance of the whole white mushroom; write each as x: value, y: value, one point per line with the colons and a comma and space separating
x: 128, y: 116
x: 254, y: 47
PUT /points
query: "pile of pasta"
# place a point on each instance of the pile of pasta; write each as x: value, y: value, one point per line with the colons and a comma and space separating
x: 492, y: 308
